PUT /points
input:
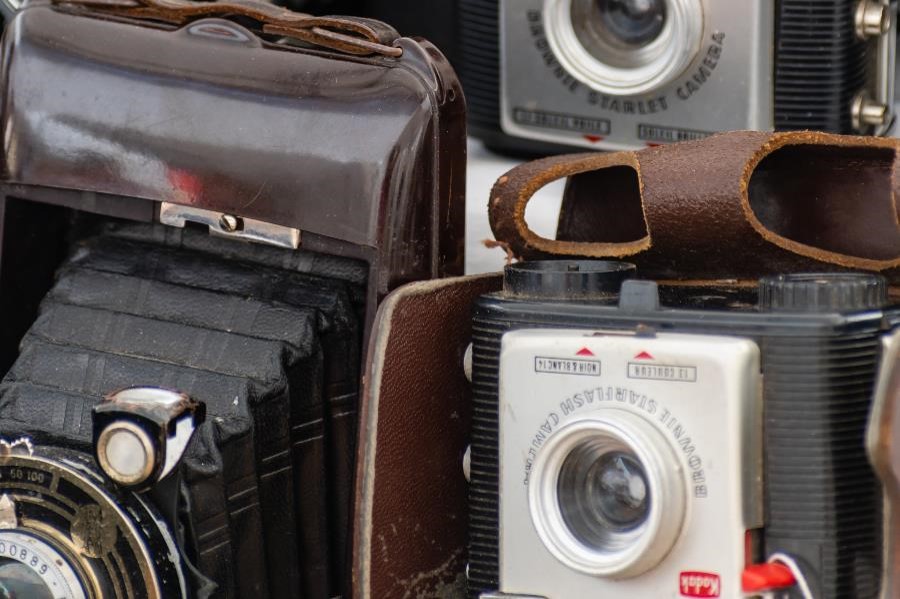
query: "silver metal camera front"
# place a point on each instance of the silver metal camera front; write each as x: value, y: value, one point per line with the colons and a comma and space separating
x: 615, y: 551
x: 715, y: 75
x: 622, y: 69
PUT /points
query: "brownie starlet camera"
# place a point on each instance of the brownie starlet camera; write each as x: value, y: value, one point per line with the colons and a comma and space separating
x: 635, y: 439
x: 625, y: 74
x: 201, y: 207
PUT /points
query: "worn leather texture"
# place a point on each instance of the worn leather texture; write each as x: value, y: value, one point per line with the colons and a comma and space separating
x: 737, y: 205
x: 411, y: 513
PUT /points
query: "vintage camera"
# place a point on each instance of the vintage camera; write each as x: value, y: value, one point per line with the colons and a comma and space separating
x: 204, y: 204
x: 269, y: 340
x: 625, y: 74
x: 656, y: 440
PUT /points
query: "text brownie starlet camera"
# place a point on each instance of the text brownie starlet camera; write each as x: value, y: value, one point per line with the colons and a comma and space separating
x: 622, y: 74
x: 643, y: 440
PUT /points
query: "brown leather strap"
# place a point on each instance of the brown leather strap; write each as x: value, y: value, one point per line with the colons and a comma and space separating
x: 353, y: 35
x: 734, y: 206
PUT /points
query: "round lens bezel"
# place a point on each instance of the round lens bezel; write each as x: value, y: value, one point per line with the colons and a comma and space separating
x: 626, y: 71
x: 62, y: 567
x: 144, y: 550
x: 632, y: 552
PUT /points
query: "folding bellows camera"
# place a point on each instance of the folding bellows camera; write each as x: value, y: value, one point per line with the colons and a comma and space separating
x: 204, y: 211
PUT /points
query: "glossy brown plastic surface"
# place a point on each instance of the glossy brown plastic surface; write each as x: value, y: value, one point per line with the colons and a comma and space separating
x: 365, y: 152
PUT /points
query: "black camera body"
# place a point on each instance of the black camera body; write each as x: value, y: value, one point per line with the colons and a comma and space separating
x: 639, y: 439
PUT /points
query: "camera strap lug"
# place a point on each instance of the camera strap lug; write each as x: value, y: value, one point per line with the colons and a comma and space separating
x: 872, y: 108
x: 230, y: 225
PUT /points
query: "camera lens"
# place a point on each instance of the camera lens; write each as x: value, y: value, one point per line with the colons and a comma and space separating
x: 624, y: 47
x: 18, y: 581
x: 620, y: 33
x: 631, y: 23
x: 602, y: 492
x: 606, y: 494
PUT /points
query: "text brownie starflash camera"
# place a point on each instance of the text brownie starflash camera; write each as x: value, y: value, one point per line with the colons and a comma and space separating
x: 640, y: 440
x: 202, y: 206
x: 541, y: 75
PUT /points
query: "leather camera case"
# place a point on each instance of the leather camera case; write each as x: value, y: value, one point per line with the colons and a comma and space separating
x: 735, y: 207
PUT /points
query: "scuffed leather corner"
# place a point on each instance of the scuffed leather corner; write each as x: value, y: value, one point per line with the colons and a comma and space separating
x: 736, y: 205
x: 411, y: 514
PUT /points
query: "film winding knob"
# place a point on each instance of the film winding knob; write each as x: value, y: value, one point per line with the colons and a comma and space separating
x: 822, y: 292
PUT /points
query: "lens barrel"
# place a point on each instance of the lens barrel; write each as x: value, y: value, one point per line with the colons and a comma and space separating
x: 18, y: 580
x: 607, y: 495
x: 629, y: 24
x: 603, y: 492
x: 624, y: 47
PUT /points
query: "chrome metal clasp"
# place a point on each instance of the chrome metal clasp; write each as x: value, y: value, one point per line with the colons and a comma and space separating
x: 230, y: 225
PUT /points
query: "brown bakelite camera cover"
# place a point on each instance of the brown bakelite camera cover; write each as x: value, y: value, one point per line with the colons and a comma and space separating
x: 336, y: 127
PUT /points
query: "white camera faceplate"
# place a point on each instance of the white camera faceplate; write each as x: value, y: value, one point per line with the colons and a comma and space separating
x: 698, y: 396
x: 726, y: 86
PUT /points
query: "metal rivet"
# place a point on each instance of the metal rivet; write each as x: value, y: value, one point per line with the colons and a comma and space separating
x: 230, y: 223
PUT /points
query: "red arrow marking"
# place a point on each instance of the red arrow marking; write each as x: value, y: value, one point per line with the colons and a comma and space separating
x: 644, y: 356
x: 584, y: 352
x: 593, y: 138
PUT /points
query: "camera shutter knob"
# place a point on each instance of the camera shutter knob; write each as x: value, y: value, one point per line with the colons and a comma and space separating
x: 824, y: 292
x: 141, y: 433
x: 126, y: 453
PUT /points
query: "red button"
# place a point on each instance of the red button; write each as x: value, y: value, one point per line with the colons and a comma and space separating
x: 766, y: 577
